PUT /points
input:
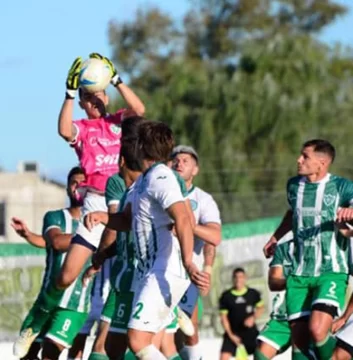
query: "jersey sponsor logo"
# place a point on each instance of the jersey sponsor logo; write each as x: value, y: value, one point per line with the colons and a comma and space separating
x: 103, y: 159
x: 329, y: 199
x: 94, y: 141
x: 311, y: 212
x: 115, y: 129
x: 240, y: 300
x: 161, y: 177
x: 193, y: 204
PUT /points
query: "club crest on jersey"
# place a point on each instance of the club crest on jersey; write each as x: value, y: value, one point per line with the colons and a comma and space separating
x: 115, y: 128
x: 193, y: 204
x: 329, y: 199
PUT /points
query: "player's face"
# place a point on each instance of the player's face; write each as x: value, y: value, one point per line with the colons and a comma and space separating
x: 309, y: 162
x: 72, y: 186
x: 239, y: 280
x: 94, y: 104
x: 186, y: 166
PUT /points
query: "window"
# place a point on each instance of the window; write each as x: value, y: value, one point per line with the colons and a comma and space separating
x: 2, y: 219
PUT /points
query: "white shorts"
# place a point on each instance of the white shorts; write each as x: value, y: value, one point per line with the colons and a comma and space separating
x: 189, y: 300
x: 346, y: 333
x: 91, y: 239
x: 155, y: 299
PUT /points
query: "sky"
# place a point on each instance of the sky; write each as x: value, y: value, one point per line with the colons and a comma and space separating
x: 39, y: 40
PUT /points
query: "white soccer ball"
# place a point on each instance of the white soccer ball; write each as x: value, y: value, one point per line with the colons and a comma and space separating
x: 95, y: 75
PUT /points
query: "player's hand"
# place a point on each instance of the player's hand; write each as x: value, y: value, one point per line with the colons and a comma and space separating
x: 89, y: 274
x: 235, y: 339
x: 200, y: 278
x: 249, y: 322
x: 72, y: 80
x: 20, y: 227
x: 270, y: 247
x: 94, y: 218
x: 115, y: 80
x: 344, y: 215
x: 338, y: 324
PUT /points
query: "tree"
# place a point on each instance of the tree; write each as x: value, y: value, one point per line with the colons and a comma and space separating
x: 245, y: 85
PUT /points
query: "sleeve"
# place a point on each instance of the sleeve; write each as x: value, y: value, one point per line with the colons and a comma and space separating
x: 164, y: 188
x: 114, y: 190
x: 346, y: 193
x: 117, y: 118
x: 51, y: 220
x: 80, y: 126
x: 278, y: 257
x: 223, y: 306
x: 288, y: 195
x: 258, y: 300
x: 209, y: 212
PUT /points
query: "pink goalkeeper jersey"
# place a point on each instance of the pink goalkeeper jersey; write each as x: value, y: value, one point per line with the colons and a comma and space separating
x: 97, y: 145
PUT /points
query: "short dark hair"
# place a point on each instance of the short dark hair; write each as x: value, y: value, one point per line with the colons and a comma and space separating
x: 322, y: 146
x: 74, y: 171
x: 238, y: 270
x: 130, y: 126
x: 128, y: 152
x: 155, y: 141
x: 81, y: 90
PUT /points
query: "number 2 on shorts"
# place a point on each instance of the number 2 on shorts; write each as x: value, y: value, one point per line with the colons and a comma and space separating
x: 139, y: 307
x: 332, y: 289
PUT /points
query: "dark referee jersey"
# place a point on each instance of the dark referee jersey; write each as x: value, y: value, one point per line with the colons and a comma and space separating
x: 239, y: 305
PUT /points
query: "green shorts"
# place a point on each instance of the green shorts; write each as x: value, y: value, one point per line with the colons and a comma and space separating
x: 276, y: 334
x: 122, y: 312
x: 109, y: 307
x: 305, y: 291
x: 65, y: 325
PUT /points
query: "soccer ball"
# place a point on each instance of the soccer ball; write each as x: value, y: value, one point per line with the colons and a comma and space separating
x: 95, y: 75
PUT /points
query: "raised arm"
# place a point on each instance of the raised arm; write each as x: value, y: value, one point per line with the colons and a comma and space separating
x: 66, y: 128
x: 22, y: 230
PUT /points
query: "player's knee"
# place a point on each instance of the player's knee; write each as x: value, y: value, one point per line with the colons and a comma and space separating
x: 317, y: 332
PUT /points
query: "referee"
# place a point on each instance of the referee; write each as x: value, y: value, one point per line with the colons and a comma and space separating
x: 239, y: 308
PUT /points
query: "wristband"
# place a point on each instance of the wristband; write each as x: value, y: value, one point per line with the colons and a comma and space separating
x: 70, y: 94
x: 116, y: 80
x: 207, y: 269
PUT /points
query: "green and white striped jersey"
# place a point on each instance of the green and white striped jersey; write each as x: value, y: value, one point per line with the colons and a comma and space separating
x: 319, y: 247
x: 76, y: 297
x: 283, y: 257
x: 124, y: 278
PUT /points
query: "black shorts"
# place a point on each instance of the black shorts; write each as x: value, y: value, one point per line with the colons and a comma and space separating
x: 248, y: 339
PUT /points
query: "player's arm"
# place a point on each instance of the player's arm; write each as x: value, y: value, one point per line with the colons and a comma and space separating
x: 276, y: 279
x: 209, y: 227
x: 131, y: 99
x: 120, y: 221
x: 342, y: 320
x: 22, y: 230
x: 66, y: 128
x: 106, y: 248
x: 209, y: 233
x: 209, y: 253
x: 284, y: 227
x: 57, y: 239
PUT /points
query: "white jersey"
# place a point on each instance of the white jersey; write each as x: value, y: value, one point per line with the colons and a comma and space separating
x: 205, y: 211
x: 154, y: 192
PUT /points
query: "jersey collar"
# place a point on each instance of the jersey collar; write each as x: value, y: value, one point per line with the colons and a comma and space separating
x: 239, y: 292
x: 191, y: 189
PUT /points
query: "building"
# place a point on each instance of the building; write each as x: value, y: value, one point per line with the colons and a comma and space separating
x: 28, y: 196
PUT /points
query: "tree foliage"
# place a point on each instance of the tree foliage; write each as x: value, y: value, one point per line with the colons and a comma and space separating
x: 245, y: 82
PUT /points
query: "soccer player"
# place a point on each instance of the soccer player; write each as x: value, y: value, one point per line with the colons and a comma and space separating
x: 317, y: 286
x: 156, y: 202
x: 207, y: 231
x: 96, y: 141
x: 239, y: 308
x: 275, y: 337
x: 71, y: 312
